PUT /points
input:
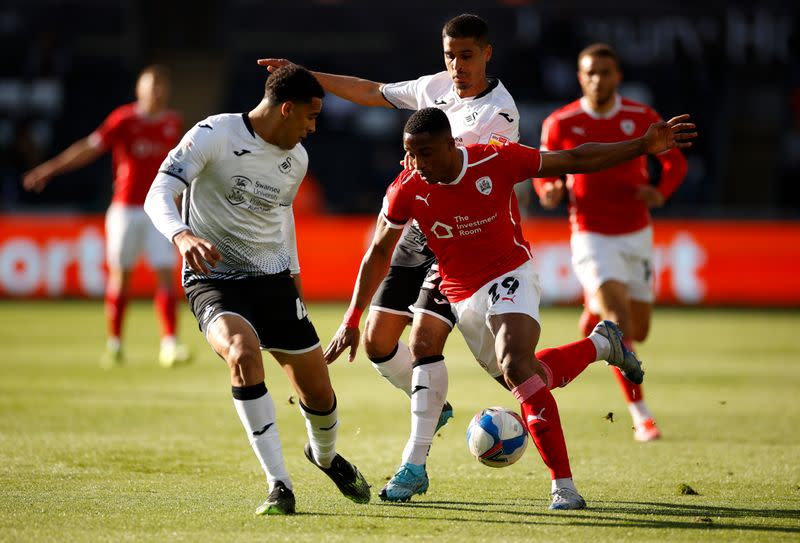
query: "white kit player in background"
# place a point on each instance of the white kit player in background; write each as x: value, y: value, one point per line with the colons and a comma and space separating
x: 480, y: 110
x: 239, y: 174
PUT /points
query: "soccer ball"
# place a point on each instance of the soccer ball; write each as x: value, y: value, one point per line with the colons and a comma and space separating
x: 497, y: 437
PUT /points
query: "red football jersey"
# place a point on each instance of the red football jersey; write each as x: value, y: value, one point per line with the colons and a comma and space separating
x: 138, y: 147
x: 469, y: 223
x: 605, y: 201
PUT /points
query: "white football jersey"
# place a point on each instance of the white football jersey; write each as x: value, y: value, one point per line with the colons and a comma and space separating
x: 238, y: 195
x: 473, y: 120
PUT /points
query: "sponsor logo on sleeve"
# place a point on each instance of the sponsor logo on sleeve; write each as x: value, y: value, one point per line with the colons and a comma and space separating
x: 497, y: 139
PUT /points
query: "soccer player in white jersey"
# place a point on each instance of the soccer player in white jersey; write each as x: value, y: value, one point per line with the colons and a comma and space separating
x: 460, y: 198
x: 480, y: 110
x: 239, y: 174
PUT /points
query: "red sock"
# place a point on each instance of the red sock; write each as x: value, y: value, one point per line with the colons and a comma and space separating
x: 165, y: 307
x: 633, y: 393
x: 563, y: 364
x: 588, y: 321
x: 540, y: 413
x: 115, y: 311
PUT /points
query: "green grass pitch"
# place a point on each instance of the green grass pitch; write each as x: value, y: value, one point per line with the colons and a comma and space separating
x: 141, y: 453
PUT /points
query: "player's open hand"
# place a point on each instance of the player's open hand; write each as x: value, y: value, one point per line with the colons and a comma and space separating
x: 552, y: 194
x: 664, y: 136
x: 199, y: 253
x: 346, y: 337
x: 272, y: 64
x: 37, y: 178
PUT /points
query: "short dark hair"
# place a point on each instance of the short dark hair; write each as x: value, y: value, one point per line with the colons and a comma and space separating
x: 599, y: 50
x: 428, y: 119
x: 467, y: 25
x: 292, y: 83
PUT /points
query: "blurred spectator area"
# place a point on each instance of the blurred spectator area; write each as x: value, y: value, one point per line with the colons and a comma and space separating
x: 734, y: 65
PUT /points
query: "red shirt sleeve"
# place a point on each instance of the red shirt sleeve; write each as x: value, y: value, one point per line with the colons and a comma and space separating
x: 673, y: 166
x: 521, y: 161
x: 111, y: 128
x: 396, y: 204
x: 550, y: 141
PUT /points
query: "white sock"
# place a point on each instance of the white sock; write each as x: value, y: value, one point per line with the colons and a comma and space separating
x: 601, y: 345
x: 113, y: 343
x: 566, y: 482
x: 397, y: 369
x: 257, y: 412
x: 322, y: 429
x: 169, y: 342
x: 639, y: 412
x: 430, y: 386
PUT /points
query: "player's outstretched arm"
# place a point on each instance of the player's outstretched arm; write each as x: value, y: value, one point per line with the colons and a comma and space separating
x: 354, y: 89
x: 77, y: 155
x: 373, y: 269
x: 591, y: 157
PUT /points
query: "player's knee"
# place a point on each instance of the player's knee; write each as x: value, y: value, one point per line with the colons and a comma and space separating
x: 377, y: 344
x: 427, y: 341
x: 242, y: 360
x: 514, y: 366
x: 318, y: 396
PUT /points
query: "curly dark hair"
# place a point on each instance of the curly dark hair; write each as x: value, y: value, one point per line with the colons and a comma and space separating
x: 429, y: 119
x: 292, y: 83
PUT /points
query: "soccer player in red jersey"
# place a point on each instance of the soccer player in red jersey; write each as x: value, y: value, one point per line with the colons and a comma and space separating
x: 461, y: 199
x: 480, y: 110
x: 612, y: 235
x: 139, y: 136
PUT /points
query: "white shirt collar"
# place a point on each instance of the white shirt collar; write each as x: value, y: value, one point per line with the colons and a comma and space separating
x: 607, y: 115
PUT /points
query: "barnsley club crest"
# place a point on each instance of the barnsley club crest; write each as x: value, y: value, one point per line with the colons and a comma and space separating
x: 627, y: 126
x: 484, y: 185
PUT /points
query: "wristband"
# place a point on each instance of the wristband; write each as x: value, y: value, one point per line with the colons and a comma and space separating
x: 352, y: 319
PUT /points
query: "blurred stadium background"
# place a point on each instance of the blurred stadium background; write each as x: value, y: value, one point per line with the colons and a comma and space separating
x: 730, y: 235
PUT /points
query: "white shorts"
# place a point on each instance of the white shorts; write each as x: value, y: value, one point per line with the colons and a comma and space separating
x: 129, y: 233
x: 628, y: 258
x: 517, y: 291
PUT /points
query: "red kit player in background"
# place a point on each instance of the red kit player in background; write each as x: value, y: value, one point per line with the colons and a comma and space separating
x: 612, y: 235
x: 139, y: 135
x: 461, y: 198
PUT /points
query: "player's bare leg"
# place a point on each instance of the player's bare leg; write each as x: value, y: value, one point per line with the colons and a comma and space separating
x: 516, y: 336
x: 171, y: 353
x: 235, y: 341
x: 309, y: 376
x: 390, y: 357
x: 429, y: 410
x: 116, y: 302
x: 616, y: 305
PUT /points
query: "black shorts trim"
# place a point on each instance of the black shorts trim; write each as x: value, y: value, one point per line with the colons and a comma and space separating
x: 270, y: 304
x: 399, y: 289
x: 431, y: 301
